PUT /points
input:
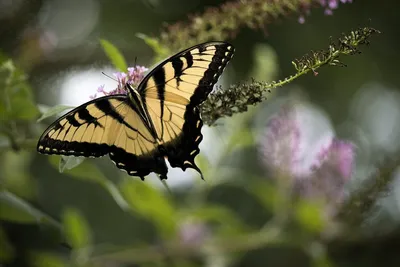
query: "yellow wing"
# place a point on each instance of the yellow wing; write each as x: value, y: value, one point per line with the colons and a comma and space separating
x: 107, y: 125
x: 172, y: 93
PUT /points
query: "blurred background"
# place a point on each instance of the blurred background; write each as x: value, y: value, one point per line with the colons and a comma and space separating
x: 49, y: 218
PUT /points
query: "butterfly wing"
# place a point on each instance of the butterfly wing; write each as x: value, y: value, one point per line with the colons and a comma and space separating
x: 172, y: 92
x: 107, y: 125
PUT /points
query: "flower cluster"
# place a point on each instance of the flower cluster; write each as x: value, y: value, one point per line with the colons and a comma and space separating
x: 328, y: 5
x: 284, y: 150
x: 224, y: 22
x: 133, y: 77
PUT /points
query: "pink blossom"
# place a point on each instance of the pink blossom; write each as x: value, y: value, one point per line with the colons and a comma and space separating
x: 134, y: 77
x: 327, y: 174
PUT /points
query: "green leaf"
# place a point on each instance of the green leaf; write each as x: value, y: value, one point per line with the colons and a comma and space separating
x: 46, y: 259
x: 310, y: 215
x: 69, y: 162
x: 228, y: 221
x: 151, y: 204
x: 115, y: 56
x: 54, y: 111
x: 86, y: 170
x: 76, y: 229
x: 267, y: 194
x: 16, y: 98
x: 265, y: 63
x: 161, y: 52
x: 18, y: 210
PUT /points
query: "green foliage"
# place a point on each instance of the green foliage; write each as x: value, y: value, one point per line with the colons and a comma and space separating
x: 151, y: 204
x: 85, y: 170
x: 54, y: 111
x: 160, y: 50
x: 69, y: 162
x: 16, y: 101
x: 309, y: 215
x: 114, y: 55
x: 43, y: 259
x: 17, y: 210
x: 76, y: 229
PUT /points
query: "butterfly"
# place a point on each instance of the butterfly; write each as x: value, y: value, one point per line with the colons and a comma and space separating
x: 158, y: 120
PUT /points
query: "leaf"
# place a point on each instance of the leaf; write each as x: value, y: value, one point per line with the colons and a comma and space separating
x: 69, y: 162
x: 265, y: 63
x: 114, y: 55
x: 86, y: 170
x: 229, y: 222
x: 310, y: 215
x: 267, y: 194
x: 151, y: 204
x: 16, y: 98
x: 54, y: 111
x: 16, y: 209
x: 47, y: 259
x: 161, y: 52
x: 76, y: 229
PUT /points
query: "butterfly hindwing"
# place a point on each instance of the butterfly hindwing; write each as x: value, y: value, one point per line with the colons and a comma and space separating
x: 108, y: 125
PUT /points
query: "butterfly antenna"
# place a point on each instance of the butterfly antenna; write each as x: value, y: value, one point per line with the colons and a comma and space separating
x: 112, y: 78
x: 135, y: 61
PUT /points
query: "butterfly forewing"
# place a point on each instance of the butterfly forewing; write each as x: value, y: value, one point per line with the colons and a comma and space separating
x: 172, y: 92
x: 108, y: 125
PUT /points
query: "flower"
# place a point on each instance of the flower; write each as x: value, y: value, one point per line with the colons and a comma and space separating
x: 284, y: 150
x: 134, y: 76
x: 281, y: 142
x: 328, y: 5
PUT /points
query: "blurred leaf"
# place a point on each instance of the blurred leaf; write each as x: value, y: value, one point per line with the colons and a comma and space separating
x: 16, y: 98
x: 266, y: 194
x: 15, y: 172
x: 41, y: 259
x: 76, y: 229
x: 115, y: 56
x: 151, y: 204
x: 7, y: 251
x: 87, y: 171
x: 265, y: 63
x: 16, y: 209
x: 241, y: 138
x: 309, y: 215
x: 204, y: 165
x: 161, y: 52
x: 69, y: 162
x: 54, y: 111
x: 229, y: 222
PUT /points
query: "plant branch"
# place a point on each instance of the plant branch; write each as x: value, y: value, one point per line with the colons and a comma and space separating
x: 224, y: 22
x: 236, y: 99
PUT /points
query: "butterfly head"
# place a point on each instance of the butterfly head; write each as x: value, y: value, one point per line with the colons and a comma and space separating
x: 132, y: 91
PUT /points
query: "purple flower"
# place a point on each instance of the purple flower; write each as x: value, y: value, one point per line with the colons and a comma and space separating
x: 134, y: 77
x: 280, y: 152
x: 330, y: 173
x: 328, y: 5
x: 324, y: 177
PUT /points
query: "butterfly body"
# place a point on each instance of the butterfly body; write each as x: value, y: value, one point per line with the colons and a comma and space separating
x: 159, y: 120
